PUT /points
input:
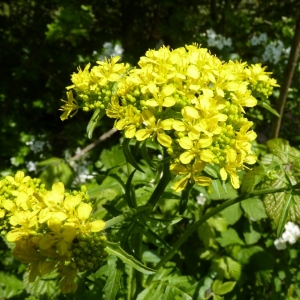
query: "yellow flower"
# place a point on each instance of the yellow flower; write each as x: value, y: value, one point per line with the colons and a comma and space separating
x: 155, y: 129
x: 70, y: 105
x: 81, y: 79
x: 233, y: 161
x: 192, y: 173
x: 194, y: 149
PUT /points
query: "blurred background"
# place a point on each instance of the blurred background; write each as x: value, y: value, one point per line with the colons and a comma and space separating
x: 43, y: 43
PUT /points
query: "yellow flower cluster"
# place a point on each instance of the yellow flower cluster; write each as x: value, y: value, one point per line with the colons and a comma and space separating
x: 189, y: 101
x: 52, y: 230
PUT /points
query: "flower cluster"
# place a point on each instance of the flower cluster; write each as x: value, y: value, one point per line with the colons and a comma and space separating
x: 52, y: 230
x: 187, y: 99
x: 290, y: 235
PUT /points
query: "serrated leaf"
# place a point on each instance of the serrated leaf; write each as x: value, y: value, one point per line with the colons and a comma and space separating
x: 234, y: 268
x: 98, y: 114
x: 251, y: 235
x: 282, y: 207
x: 42, y: 287
x: 129, y: 156
x: 219, y: 193
x: 115, y: 249
x: 254, y: 208
x: 113, y: 157
x: 269, y: 108
x: 229, y: 237
x: 224, y: 288
x: 252, y: 178
x: 10, y: 286
x: 113, y: 280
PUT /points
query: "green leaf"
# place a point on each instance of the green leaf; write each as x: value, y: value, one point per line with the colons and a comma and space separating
x: 229, y: 237
x: 282, y: 207
x: 284, y: 216
x: 269, y: 108
x: 145, y: 154
x: 250, y: 234
x: 129, y: 156
x: 211, y: 171
x: 98, y: 114
x: 115, y: 249
x: 244, y: 255
x: 219, y: 193
x: 185, y: 198
x: 10, y: 286
x: 55, y: 169
x: 232, y: 213
x: 42, y: 287
x: 254, y: 208
x: 130, y: 192
x: 113, y: 280
x: 223, y: 288
x: 252, y: 178
x: 234, y: 268
x: 113, y: 158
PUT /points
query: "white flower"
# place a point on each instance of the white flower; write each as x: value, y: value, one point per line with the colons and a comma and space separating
x: 280, y: 244
x: 201, y: 199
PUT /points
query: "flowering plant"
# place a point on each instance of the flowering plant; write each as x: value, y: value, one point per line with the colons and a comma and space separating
x: 190, y: 107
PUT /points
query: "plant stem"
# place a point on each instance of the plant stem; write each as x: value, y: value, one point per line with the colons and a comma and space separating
x: 208, y: 215
x: 289, y: 73
x: 127, y: 214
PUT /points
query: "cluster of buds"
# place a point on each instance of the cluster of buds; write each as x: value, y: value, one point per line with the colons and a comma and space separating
x: 52, y: 230
x: 187, y: 99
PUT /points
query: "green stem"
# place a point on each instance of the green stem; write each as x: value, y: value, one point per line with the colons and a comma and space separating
x: 127, y: 214
x: 190, y: 230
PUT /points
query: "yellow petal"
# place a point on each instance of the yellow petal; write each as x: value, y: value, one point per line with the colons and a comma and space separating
x: 54, y: 224
x: 190, y: 112
x: 143, y: 134
x: 152, y: 103
x: 178, y: 125
x: 223, y: 174
x: 167, y: 124
x: 180, y: 185
x: 97, y: 225
x: 164, y: 140
x: 203, y: 180
x: 168, y: 102
x: 186, y: 143
x: 231, y: 156
x: 235, y: 181
x: 178, y: 169
x: 71, y: 201
x: 186, y: 157
x: 204, y: 143
x: 207, y: 155
x: 193, y: 72
x: 169, y: 90
x: 130, y: 131
x: 83, y: 211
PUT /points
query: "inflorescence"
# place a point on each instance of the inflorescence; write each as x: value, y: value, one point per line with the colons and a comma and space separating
x: 191, y: 102
x: 53, y: 231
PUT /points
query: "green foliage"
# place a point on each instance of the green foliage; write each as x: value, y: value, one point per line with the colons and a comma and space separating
x: 231, y: 255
